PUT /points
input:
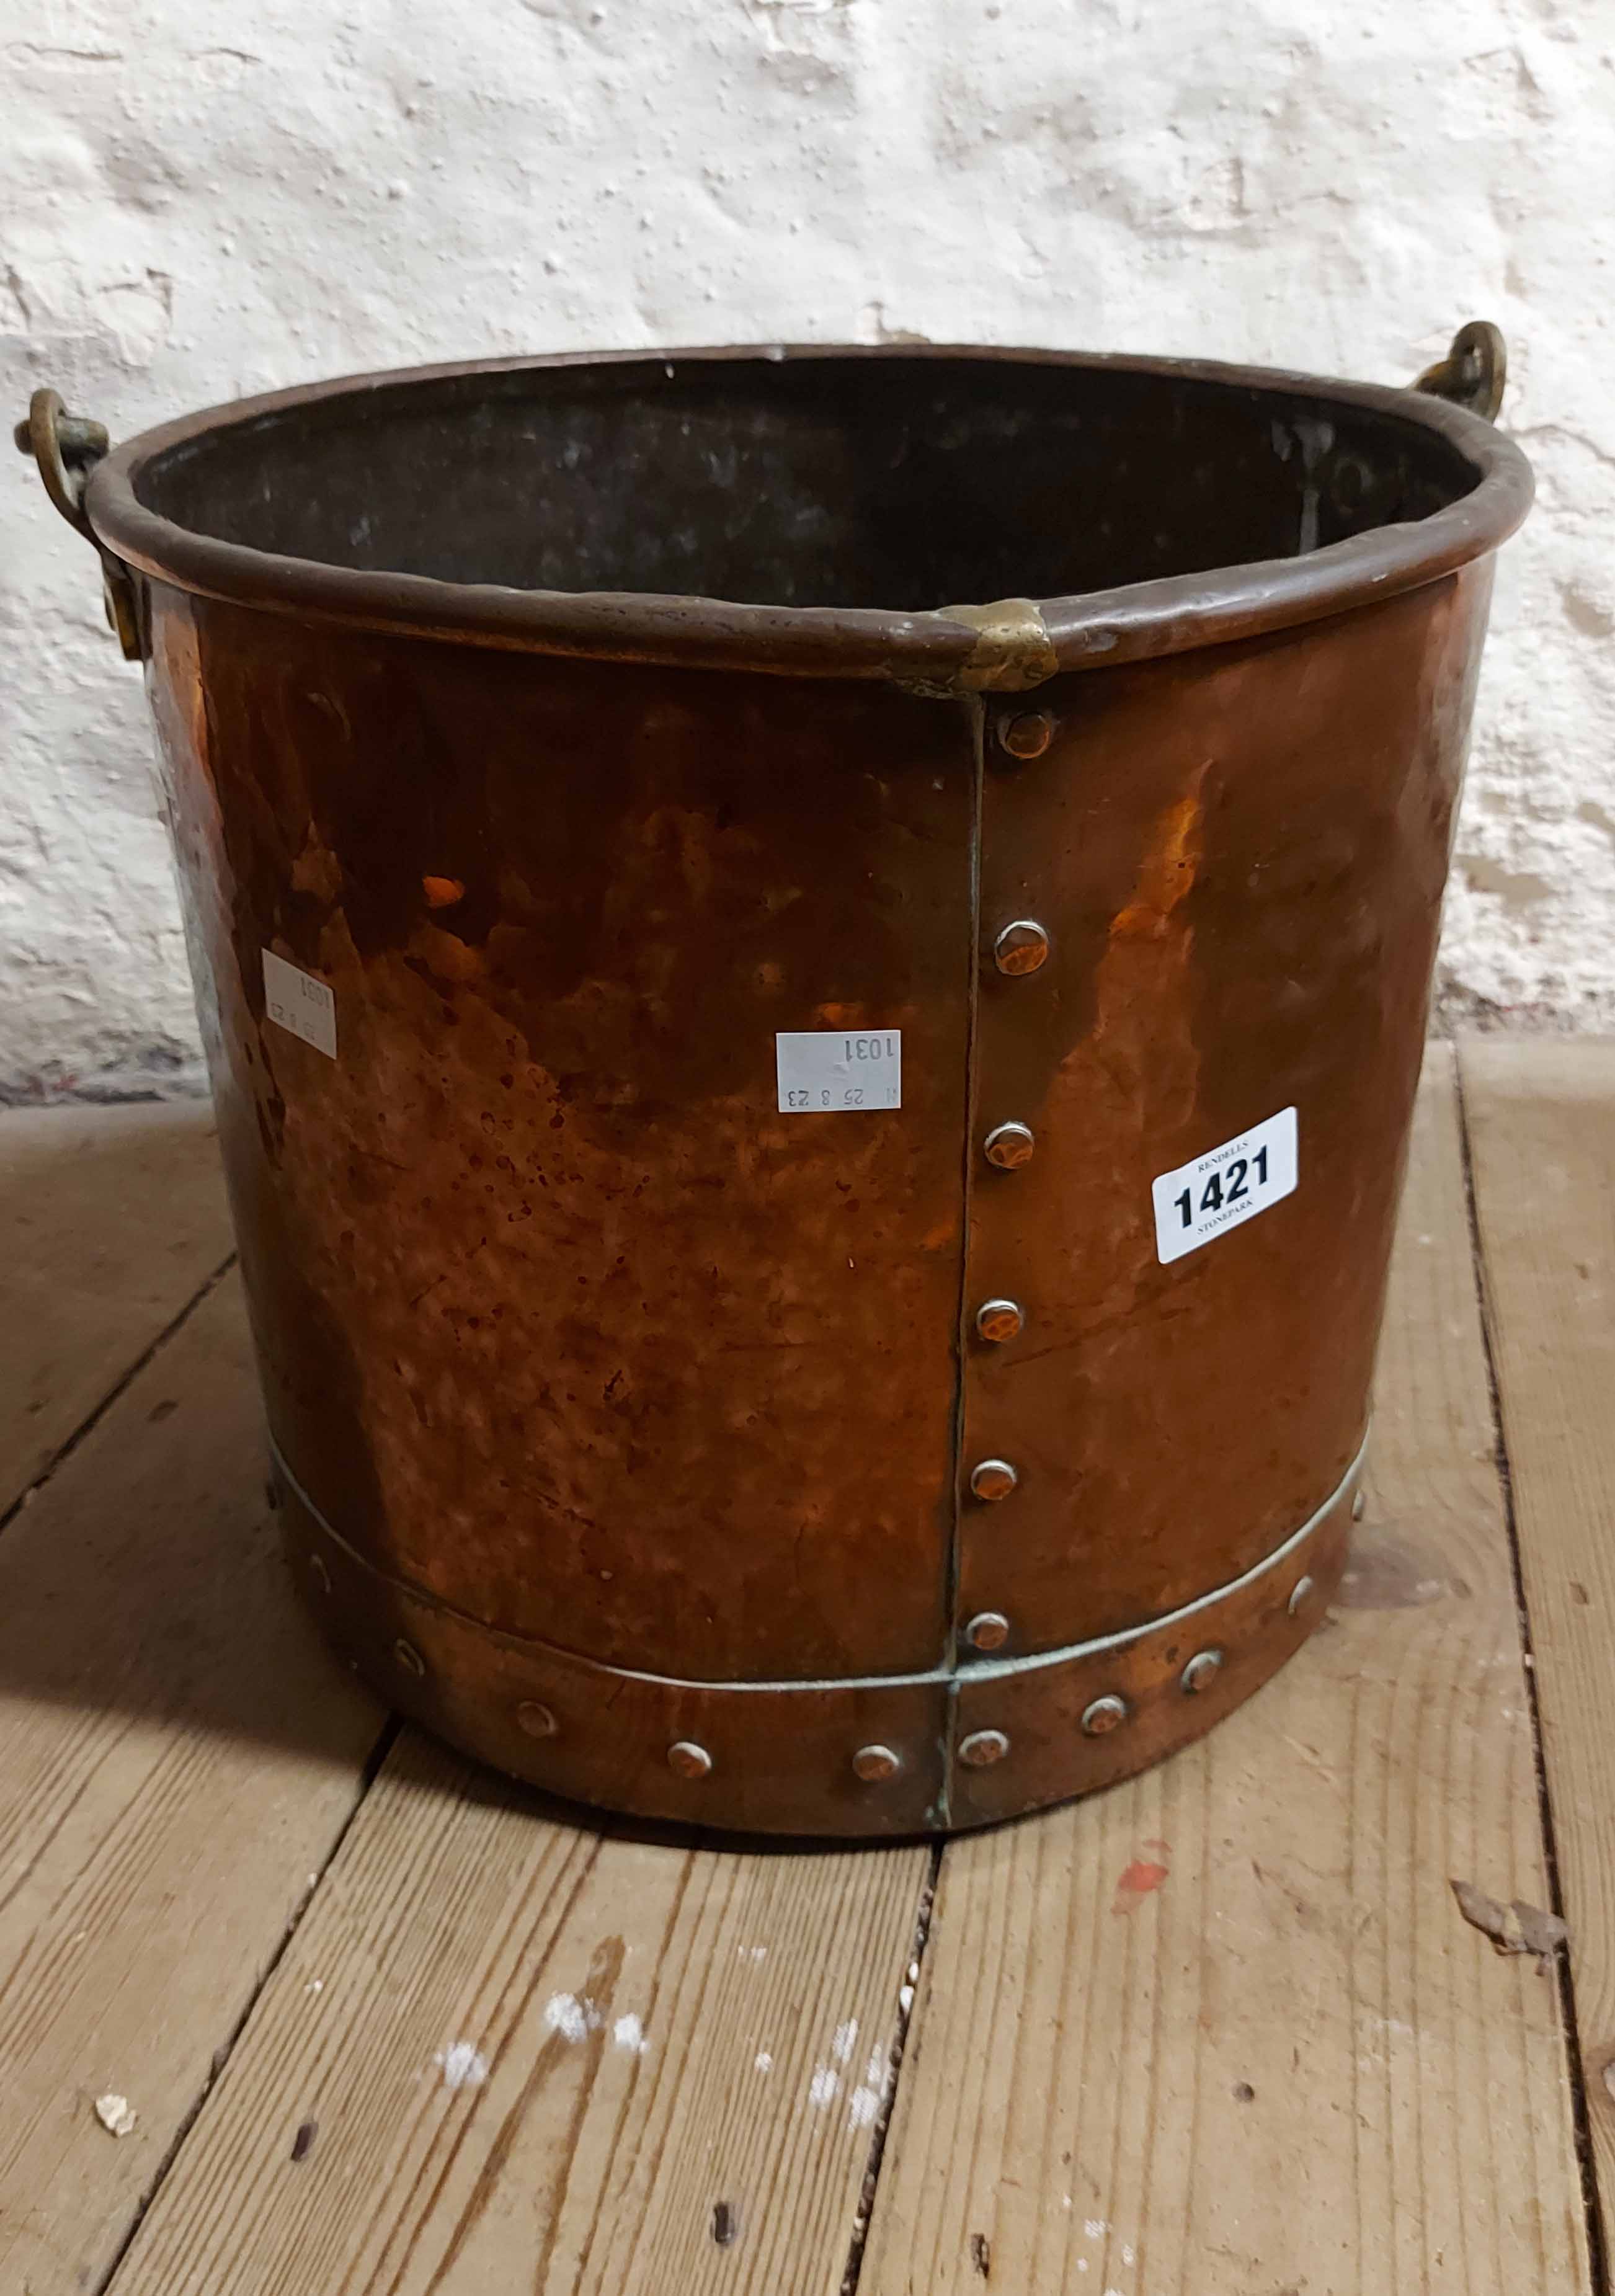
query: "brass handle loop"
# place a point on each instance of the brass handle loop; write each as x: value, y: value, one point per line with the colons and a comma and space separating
x: 67, y: 448
x: 1473, y: 373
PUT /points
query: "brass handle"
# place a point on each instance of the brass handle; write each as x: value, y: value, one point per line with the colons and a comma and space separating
x: 1473, y: 373
x: 67, y: 448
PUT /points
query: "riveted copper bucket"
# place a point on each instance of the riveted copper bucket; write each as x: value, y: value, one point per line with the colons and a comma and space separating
x: 814, y: 1173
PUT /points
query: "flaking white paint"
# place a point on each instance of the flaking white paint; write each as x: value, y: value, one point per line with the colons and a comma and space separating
x: 573, y: 2017
x: 462, y: 2064
x: 198, y: 199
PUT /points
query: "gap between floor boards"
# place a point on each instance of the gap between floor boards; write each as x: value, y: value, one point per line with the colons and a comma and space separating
x: 385, y: 1738
x: 121, y: 1385
x: 1598, y: 2262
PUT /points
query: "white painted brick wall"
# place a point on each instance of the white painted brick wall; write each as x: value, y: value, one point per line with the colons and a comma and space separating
x: 198, y: 199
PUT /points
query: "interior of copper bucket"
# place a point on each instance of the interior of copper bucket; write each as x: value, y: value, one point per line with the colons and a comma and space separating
x: 843, y: 479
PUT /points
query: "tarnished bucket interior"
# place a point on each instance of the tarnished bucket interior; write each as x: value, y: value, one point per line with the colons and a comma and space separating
x: 823, y: 482
x: 815, y: 1162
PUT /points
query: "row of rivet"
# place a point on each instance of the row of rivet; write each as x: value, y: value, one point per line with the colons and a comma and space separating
x: 685, y: 1757
x: 1019, y: 947
x: 1108, y: 1712
x: 875, y: 1764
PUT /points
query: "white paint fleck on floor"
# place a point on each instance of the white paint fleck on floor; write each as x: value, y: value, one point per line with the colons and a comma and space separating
x: 462, y: 2064
x: 572, y: 2018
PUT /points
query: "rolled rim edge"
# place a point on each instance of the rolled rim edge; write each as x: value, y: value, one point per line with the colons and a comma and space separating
x: 928, y: 651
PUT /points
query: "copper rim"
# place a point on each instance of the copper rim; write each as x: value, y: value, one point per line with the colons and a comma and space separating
x: 1096, y: 630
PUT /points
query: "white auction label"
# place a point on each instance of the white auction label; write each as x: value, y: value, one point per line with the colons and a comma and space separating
x: 822, y: 1069
x: 1226, y: 1187
x: 297, y: 1001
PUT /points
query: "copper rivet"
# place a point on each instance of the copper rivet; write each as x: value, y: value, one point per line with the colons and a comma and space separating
x: 987, y: 1630
x: 992, y: 1479
x: 982, y: 1748
x: 999, y: 1320
x: 1357, y: 1506
x: 1009, y: 1146
x: 875, y: 1764
x: 689, y: 1759
x: 408, y: 1657
x: 1299, y: 1593
x: 1020, y: 948
x: 536, y: 1721
x: 1104, y: 1714
x: 319, y: 1572
x: 1201, y: 1671
x: 1027, y: 734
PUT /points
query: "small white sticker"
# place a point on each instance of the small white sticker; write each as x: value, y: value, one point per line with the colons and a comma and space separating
x: 299, y: 1003
x: 822, y: 1069
x: 1226, y: 1187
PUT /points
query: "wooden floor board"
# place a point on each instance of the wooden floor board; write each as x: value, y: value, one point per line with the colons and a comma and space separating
x: 1541, y: 1116
x: 178, y: 1757
x: 111, y: 1219
x: 1220, y: 2030
x: 533, y: 2057
x: 1283, y: 2062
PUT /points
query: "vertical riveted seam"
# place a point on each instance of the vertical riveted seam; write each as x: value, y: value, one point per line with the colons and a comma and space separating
x: 976, y: 720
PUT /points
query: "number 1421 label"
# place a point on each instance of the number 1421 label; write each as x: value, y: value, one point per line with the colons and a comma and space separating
x: 1226, y: 1187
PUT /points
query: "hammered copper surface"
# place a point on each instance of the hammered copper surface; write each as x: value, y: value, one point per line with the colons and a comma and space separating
x: 559, y: 1319
x: 1240, y: 855
x: 627, y: 1425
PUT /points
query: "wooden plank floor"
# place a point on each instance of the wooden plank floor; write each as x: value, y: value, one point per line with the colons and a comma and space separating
x: 1542, y: 1122
x: 113, y: 1221
x: 391, y: 2029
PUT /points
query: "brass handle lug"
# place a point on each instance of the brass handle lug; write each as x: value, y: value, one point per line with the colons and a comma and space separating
x: 1473, y: 373
x: 66, y: 449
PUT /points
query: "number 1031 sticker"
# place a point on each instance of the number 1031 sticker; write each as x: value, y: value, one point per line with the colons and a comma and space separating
x: 1226, y: 1187
x: 822, y: 1069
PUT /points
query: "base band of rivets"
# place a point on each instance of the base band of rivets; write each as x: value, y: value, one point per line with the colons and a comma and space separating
x: 888, y: 1754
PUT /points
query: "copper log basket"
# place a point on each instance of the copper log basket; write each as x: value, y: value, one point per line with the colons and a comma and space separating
x: 672, y: 1404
